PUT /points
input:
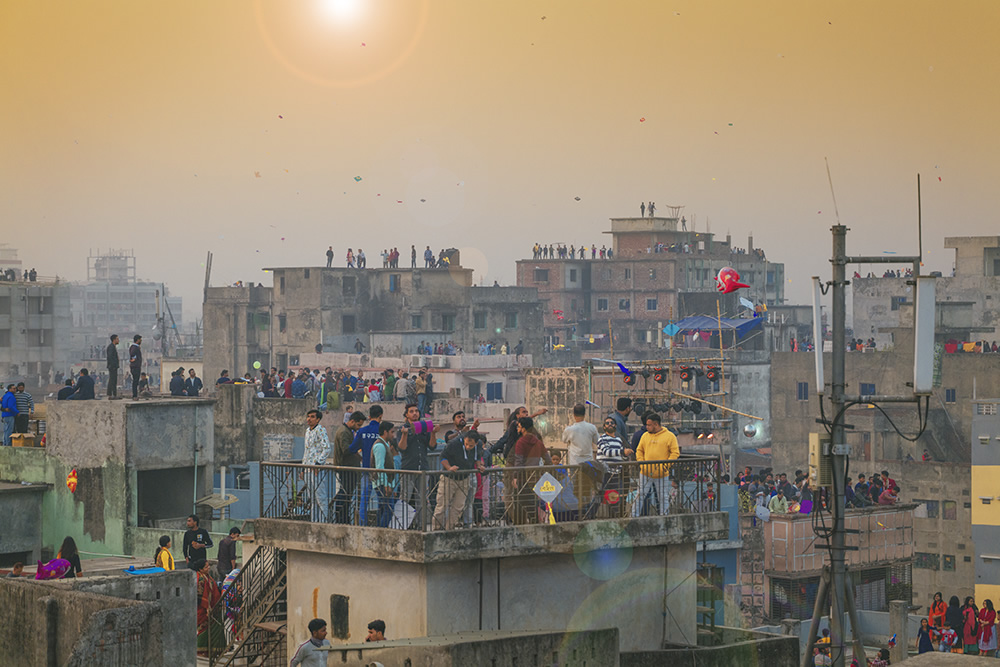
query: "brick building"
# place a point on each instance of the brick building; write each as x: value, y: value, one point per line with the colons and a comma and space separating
x: 657, y: 273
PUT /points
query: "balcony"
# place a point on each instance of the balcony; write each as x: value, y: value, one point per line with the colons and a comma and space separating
x: 317, y: 507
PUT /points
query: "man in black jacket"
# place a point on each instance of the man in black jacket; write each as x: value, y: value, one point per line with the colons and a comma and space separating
x: 84, y: 389
x: 112, y: 355
x: 135, y: 363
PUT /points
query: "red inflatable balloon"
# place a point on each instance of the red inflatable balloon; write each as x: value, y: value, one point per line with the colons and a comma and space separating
x: 728, y: 280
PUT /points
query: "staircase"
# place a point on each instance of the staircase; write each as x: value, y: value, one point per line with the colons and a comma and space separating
x: 247, y: 626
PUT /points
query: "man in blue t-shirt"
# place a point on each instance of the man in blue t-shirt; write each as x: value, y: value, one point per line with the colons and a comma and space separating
x: 363, y: 442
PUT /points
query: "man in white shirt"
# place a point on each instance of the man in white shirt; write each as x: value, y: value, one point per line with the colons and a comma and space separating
x: 317, y: 449
x: 581, y: 437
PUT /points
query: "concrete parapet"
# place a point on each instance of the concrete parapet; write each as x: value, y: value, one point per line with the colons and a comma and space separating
x: 572, y: 649
x: 491, y: 542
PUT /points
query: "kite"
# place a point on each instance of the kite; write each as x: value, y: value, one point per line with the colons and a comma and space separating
x: 728, y: 280
x: 71, y: 480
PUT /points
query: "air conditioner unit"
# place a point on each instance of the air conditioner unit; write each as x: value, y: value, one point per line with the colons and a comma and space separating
x: 820, y: 460
x: 418, y: 361
x: 439, y: 361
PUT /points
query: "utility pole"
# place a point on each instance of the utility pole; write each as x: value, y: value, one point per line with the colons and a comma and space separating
x: 838, y: 445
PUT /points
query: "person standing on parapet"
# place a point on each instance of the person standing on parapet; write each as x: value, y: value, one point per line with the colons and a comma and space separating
x: 642, y: 209
x: 135, y: 363
x: 652, y: 208
x: 329, y: 257
x: 112, y: 356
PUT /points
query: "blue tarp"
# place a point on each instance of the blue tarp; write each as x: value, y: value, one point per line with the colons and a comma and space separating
x: 698, y: 323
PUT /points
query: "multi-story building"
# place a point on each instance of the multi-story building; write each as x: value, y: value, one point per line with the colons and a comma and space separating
x: 113, y: 300
x: 659, y: 272
x: 34, y: 330
x: 390, y: 311
x: 985, y: 492
x: 968, y: 302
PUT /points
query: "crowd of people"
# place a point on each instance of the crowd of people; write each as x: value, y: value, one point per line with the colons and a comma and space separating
x: 959, y: 629
x: 779, y: 495
x: 390, y: 258
x: 889, y: 273
x: 560, y: 251
x: 10, y: 275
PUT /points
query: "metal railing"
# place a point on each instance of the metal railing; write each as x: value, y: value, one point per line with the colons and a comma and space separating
x: 493, y: 496
x: 256, y: 595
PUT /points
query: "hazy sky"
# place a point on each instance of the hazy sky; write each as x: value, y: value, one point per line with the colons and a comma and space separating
x: 239, y: 127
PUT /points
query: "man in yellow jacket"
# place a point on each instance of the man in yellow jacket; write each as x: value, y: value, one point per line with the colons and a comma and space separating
x: 656, y: 444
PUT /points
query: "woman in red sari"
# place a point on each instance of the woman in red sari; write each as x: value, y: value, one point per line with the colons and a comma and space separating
x: 208, y: 595
x: 938, y: 609
x: 970, y: 614
x: 987, y: 629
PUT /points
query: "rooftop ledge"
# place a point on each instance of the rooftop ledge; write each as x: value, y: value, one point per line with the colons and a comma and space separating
x: 491, y: 542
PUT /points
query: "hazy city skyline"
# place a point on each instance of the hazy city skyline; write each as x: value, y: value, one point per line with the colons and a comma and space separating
x: 241, y: 128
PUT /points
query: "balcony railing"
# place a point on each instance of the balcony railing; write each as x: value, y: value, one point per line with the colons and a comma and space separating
x: 495, y: 496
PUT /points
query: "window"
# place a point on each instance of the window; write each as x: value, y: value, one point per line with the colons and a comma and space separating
x: 4, y: 337
x: 652, y: 274
x: 394, y: 282
x: 932, y: 507
x: 305, y: 274
x: 926, y: 561
x: 347, y: 324
x: 770, y: 277
x: 898, y: 301
x: 986, y: 409
x: 949, y: 563
x: 281, y: 285
x: 416, y: 321
x: 474, y: 390
x: 867, y: 389
x: 624, y: 304
x: 650, y: 304
x: 967, y: 559
x: 510, y: 320
x: 949, y: 395
x: 803, y: 391
x: 541, y: 275
x: 602, y: 304
x: 949, y: 510
x: 494, y: 391
x: 448, y: 321
x: 282, y: 323
x: 572, y: 275
x: 478, y: 322
x: 350, y: 286
x: 628, y: 274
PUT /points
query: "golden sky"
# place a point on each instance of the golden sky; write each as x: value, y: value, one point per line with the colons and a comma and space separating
x: 239, y: 127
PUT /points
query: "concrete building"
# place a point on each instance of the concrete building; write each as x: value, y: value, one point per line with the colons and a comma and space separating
x: 967, y: 301
x: 985, y: 492
x: 140, y: 467
x: 794, y: 407
x: 570, y: 576
x: 659, y: 272
x: 114, y: 300
x: 35, y: 325
x: 943, y: 544
x: 390, y: 311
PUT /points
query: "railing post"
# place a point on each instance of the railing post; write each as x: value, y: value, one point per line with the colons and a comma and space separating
x: 423, y: 501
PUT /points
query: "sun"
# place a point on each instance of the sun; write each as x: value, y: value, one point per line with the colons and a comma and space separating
x: 341, y: 10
